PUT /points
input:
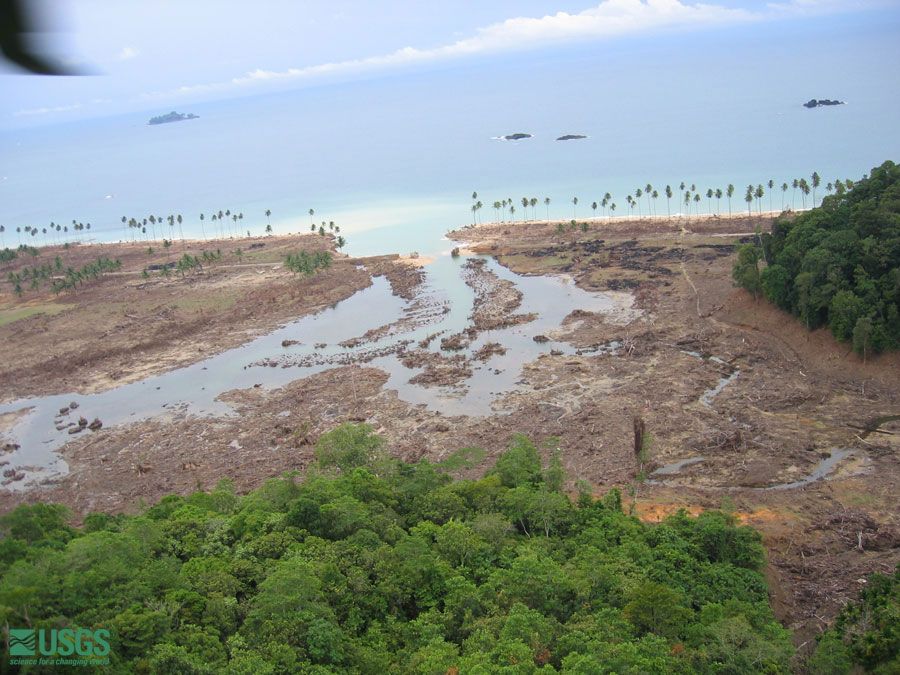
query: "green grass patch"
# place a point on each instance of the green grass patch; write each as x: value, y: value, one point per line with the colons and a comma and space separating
x: 8, y: 316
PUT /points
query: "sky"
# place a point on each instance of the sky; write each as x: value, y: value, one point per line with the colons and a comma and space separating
x: 163, y: 54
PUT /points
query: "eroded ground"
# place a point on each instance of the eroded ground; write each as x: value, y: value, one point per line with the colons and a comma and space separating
x: 714, y: 375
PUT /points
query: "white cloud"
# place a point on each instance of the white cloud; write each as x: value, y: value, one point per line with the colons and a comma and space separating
x: 611, y: 18
x: 127, y: 53
x: 29, y: 112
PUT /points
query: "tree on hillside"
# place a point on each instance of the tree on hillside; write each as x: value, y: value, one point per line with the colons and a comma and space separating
x: 746, y: 270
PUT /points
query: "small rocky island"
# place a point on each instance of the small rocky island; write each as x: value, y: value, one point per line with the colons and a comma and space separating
x: 516, y: 137
x: 815, y: 103
x: 571, y: 137
x: 172, y: 117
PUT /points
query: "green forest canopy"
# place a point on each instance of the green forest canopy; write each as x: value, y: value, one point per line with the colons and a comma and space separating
x: 837, y: 265
x: 372, y: 565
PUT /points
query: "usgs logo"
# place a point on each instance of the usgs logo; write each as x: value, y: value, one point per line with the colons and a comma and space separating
x: 85, y: 643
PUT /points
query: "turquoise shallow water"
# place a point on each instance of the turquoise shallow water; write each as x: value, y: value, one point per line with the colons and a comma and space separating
x: 399, y: 158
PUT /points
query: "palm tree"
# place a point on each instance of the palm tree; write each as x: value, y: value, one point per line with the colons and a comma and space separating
x: 697, y: 203
x: 612, y: 209
x: 759, y: 195
x: 312, y: 212
x: 534, y: 203
x: 180, y: 230
x: 574, y: 206
x: 648, y: 190
x: 547, y: 204
x: 669, y: 201
x: 655, y: 196
x: 512, y: 212
x: 771, y: 187
x: 268, y: 222
x: 681, y: 190
x: 718, y: 201
x: 784, y: 189
x: 202, y: 231
x: 749, y: 199
x: 478, y: 205
x: 638, y: 193
x: 687, y: 203
x: 709, y: 196
x: 816, y: 182
x: 795, y: 185
x: 729, y: 192
x: 525, y: 207
x: 804, y: 190
x: 594, y: 208
x: 474, y: 208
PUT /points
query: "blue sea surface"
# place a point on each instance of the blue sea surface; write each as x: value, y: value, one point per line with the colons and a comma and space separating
x: 394, y: 161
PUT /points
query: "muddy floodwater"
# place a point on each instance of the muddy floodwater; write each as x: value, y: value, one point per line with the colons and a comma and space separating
x: 370, y: 327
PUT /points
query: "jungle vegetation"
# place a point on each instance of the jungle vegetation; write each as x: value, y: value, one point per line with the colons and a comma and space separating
x: 367, y: 564
x: 837, y: 265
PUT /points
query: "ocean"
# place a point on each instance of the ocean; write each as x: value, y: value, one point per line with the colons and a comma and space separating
x: 394, y: 161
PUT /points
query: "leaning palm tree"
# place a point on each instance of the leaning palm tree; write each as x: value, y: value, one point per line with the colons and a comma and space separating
x: 547, y: 204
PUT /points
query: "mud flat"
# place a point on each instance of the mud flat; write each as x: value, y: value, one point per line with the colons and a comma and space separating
x: 630, y: 318
x: 716, y: 375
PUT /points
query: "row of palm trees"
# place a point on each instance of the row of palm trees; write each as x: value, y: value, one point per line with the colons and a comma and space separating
x: 53, y: 231
x: 689, y: 195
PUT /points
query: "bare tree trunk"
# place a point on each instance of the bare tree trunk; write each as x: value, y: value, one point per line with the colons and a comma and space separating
x: 639, y: 430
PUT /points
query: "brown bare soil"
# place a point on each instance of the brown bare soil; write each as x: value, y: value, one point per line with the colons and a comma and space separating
x: 124, y: 327
x: 682, y: 329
